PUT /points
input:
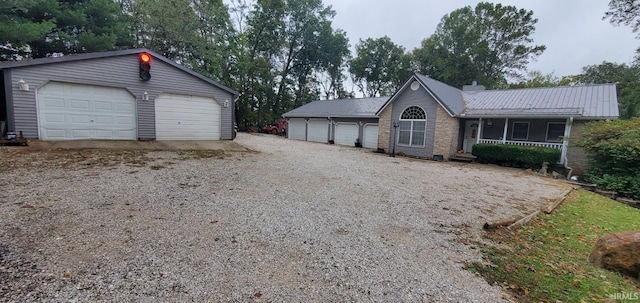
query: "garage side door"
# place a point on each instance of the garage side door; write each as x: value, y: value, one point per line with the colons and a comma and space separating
x: 346, y: 133
x: 183, y: 117
x: 318, y: 130
x: 68, y: 111
x: 370, y: 136
x: 297, y: 129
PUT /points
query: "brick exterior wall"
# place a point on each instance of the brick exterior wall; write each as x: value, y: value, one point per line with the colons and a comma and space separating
x: 577, y: 156
x: 384, y: 128
x: 446, y: 135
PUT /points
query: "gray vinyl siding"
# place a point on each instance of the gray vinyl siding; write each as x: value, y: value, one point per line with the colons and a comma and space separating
x: 120, y: 72
x: 423, y: 99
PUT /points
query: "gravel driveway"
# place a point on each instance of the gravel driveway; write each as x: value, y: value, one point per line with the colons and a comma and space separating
x: 291, y: 222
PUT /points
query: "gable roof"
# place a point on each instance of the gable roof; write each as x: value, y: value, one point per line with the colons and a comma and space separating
x: 340, y: 108
x: 93, y: 56
x: 585, y: 101
x: 449, y: 97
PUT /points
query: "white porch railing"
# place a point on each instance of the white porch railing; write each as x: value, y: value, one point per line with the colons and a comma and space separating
x: 557, y: 146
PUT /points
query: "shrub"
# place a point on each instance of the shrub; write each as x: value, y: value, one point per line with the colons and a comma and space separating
x: 521, y: 156
x: 614, y: 155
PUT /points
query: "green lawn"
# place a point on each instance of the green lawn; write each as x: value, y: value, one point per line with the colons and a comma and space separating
x: 547, y: 259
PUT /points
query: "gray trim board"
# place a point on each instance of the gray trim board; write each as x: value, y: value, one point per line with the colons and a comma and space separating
x: 8, y: 92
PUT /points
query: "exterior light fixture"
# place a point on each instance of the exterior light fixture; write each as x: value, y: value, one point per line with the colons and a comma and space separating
x: 24, y: 86
x: 145, y: 96
x: 226, y: 103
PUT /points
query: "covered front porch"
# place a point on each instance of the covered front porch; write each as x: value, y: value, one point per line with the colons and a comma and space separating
x: 531, y: 131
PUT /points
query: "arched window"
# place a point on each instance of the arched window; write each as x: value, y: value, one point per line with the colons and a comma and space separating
x: 413, y: 127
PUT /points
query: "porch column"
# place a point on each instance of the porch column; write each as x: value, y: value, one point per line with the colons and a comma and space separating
x: 479, y: 131
x: 565, y: 140
x: 504, y: 133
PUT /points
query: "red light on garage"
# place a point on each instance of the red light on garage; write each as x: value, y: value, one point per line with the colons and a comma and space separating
x: 145, y: 58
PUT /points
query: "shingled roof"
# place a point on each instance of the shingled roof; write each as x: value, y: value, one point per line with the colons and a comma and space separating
x: 340, y: 108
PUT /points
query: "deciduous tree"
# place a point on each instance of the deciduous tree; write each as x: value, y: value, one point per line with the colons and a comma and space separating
x: 489, y: 43
x: 379, y: 67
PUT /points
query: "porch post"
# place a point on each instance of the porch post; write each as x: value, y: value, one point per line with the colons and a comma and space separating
x: 565, y: 140
x: 504, y: 133
x: 479, y: 131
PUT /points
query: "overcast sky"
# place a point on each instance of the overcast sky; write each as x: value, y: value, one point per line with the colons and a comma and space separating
x: 572, y: 30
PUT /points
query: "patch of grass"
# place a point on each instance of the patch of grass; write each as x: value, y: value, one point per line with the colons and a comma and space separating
x: 200, y: 154
x: 14, y: 159
x: 547, y: 259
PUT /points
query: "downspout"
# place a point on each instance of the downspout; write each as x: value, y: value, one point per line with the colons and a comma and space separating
x: 567, y: 133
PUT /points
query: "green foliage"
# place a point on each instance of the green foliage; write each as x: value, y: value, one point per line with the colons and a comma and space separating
x: 547, y: 259
x: 614, y: 148
x: 380, y: 66
x: 487, y: 43
x: 38, y: 28
x: 624, y: 12
x: 522, y: 156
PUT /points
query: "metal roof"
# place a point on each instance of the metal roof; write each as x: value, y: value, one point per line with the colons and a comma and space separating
x: 586, y: 101
x: 343, y: 108
x: 448, y: 96
x: 98, y: 55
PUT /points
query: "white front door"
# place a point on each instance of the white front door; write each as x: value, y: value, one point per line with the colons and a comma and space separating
x: 470, y: 135
x: 184, y: 117
x: 69, y: 111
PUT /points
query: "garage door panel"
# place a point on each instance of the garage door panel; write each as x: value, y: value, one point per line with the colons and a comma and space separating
x: 183, y: 117
x: 370, y: 136
x: 346, y: 133
x: 75, y: 112
x: 318, y: 130
x: 296, y: 129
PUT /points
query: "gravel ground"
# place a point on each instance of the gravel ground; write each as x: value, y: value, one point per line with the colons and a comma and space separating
x: 292, y: 222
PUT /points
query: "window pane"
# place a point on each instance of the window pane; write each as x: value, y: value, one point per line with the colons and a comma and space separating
x: 520, y: 131
x: 405, y: 125
x: 418, y: 138
x: 555, y: 131
x: 403, y: 137
x: 419, y: 125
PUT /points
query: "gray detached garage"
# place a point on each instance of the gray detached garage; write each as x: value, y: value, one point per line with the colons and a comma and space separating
x: 342, y: 121
x: 101, y: 96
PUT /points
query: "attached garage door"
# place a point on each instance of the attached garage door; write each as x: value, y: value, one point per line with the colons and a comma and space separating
x: 346, y: 133
x: 297, y: 129
x: 69, y: 111
x: 318, y: 130
x: 183, y: 117
x: 370, y: 136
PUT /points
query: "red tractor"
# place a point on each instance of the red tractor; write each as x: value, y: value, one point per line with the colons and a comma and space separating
x: 279, y: 127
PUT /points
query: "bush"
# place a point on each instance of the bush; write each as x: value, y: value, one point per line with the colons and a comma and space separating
x: 521, y: 156
x: 614, y: 155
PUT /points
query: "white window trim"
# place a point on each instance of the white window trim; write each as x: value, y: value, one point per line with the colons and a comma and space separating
x: 513, y: 130
x: 424, y: 144
x: 546, y: 135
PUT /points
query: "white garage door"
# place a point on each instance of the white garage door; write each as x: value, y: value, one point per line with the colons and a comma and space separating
x: 297, y: 129
x: 370, y: 136
x: 69, y: 111
x: 318, y: 130
x: 183, y: 117
x: 346, y: 133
